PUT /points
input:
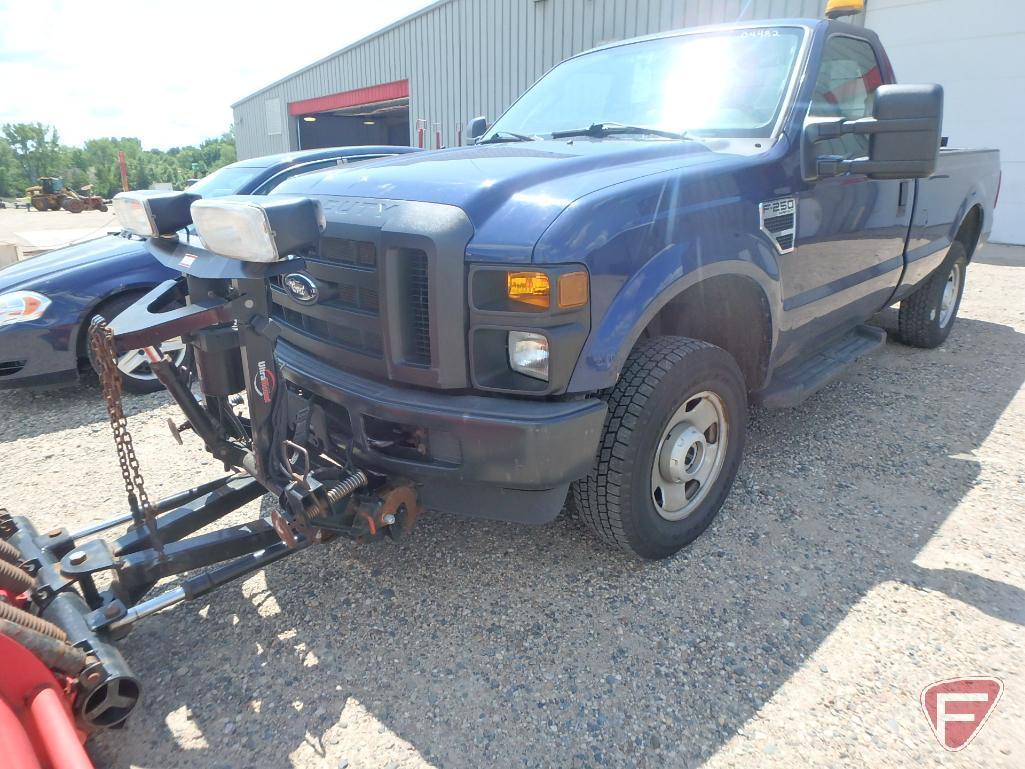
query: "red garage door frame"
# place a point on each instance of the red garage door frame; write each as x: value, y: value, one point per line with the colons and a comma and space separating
x: 398, y: 89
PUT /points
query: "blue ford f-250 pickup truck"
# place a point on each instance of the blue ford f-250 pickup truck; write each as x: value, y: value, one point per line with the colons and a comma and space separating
x: 584, y: 302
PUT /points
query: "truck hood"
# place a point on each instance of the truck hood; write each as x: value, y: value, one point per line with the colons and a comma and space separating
x: 511, y: 192
x: 44, y: 268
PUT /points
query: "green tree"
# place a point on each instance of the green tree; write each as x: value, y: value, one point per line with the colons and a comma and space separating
x: 12, y: 178
x: 100, y: 160
x: 36, y: 148
x: 30, y: 150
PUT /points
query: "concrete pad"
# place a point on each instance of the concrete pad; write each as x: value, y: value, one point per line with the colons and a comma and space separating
x: 37, y: 231
x: 8, y: 254
x: 46, y: 240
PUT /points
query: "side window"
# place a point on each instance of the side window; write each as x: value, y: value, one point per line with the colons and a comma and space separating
x: 358, y: 159
x: 304, y: 168
x: 308, y: 168
x: 848, y: 78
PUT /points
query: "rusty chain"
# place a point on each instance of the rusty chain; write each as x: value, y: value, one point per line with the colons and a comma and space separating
x: 101, y: 340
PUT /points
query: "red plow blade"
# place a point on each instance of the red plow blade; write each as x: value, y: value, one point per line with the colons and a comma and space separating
x: 37, y: 728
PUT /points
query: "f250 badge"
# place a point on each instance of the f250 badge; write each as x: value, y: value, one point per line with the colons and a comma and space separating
x: 301, y: 288
x: 778, y: 219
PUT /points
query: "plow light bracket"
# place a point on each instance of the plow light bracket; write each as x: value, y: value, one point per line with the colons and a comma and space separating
x: 153, y: 213
x: 259, y: 228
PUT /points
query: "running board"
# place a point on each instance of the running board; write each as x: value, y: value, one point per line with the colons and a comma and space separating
x: 792, y: 384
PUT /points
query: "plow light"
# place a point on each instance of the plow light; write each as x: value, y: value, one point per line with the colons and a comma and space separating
x: 152, y: 213
x: 258, y: 229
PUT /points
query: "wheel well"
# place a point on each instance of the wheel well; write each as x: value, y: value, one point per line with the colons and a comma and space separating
x: 728, y: 311
x: 970, y: 230
x: 97, y: 309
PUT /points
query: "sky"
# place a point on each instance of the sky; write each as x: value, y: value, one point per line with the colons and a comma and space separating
x: 166, y: 72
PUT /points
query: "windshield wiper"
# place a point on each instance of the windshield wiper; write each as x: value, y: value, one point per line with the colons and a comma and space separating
x: 508, y: 136
x: 598, y: 130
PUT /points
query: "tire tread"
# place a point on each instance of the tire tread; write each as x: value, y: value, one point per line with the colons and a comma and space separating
x: 596, y: 497
x: 917, y: 323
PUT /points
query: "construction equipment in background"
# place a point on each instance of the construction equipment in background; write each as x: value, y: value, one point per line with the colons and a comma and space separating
x: 51, y: 194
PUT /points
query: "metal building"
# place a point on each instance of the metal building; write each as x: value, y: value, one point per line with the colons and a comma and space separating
x: 420, y: 79
x: 453, y: 60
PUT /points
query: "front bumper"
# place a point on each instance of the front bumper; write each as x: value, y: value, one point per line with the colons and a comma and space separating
x: 490, y: 457
x: 35, y: 356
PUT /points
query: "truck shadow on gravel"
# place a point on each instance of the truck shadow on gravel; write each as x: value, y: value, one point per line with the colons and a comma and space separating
x: 483, y: 644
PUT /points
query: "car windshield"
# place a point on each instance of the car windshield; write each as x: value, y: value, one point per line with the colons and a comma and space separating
x: 730, y: 83
x: 225, y: 181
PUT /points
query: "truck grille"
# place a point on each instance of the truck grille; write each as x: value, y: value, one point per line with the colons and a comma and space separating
x: 345, y: 325
x: 419, y: 340
x: 355, y: 252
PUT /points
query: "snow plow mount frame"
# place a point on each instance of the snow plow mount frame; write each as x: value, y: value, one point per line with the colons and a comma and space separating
x: 55, y: 588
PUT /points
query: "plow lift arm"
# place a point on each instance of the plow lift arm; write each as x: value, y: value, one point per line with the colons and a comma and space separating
x: 53, y: 608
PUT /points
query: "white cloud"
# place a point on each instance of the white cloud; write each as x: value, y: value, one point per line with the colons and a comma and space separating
x: 166, y: 72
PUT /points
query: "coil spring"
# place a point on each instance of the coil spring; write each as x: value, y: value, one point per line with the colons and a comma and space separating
x: 14, y: 577
x: 9, y: 552
x: 346, y: 486
x: 31, y: 621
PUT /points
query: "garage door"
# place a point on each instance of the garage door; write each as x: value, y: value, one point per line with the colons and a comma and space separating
x: 976, y: 50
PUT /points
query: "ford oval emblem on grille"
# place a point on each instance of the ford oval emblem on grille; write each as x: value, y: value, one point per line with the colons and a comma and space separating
x: 301, y: 288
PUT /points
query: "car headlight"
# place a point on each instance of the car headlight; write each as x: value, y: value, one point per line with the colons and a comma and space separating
x: 528, y: 354
x: 152, y: 213
x: 258, y: 228
x: 19, y: 306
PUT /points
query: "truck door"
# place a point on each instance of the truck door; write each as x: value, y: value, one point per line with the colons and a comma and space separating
x: 850, y: 229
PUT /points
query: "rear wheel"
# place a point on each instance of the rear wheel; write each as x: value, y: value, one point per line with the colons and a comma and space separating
x: 672, y: 444
x: 926, y: 316
x: 136, y: 374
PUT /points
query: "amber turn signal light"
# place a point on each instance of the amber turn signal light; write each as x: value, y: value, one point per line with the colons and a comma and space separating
x: 573, y: 289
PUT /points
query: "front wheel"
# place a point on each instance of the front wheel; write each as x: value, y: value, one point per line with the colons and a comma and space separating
x: 672, y: 444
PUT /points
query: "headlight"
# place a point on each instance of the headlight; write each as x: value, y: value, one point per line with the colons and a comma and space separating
x: 528, y: 354
x: 535, y: 289
x: 258, y: 229
x: 152, y: 213
x: 22, y: 305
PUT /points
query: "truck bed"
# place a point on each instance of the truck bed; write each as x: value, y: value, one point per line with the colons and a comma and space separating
x: 964, y: 178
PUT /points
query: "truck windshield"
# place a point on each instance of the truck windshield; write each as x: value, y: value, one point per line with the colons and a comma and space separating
x: 225, y: 181
x: 730, y: 83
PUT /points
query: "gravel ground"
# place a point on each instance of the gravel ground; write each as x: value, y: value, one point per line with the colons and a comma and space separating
x: 872, y: 545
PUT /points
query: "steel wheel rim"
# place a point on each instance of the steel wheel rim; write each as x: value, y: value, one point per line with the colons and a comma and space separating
x: 135, y: 363
x: 950, y: 292
x: 689, y: 456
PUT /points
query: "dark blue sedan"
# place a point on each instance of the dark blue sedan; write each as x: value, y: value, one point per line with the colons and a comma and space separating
x: 46, y: 302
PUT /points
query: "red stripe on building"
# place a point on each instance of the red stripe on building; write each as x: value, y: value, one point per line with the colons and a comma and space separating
x: 373, y: 93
